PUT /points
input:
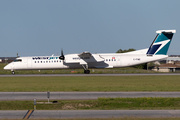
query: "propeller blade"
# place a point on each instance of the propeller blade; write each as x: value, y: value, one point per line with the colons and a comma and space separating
x: 62, y: 55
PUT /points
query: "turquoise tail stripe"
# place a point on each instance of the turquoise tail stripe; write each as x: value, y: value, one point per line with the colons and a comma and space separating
x: 164, y: 49
x: 161, y: 37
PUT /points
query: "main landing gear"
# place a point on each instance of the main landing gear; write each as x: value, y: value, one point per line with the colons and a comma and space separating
x: 85, y: 67
x: 86, y: 71
x: 13, y: 72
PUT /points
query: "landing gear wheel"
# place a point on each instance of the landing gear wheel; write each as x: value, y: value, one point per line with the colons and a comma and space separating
x: 86, y: 71
x: 85, y: 66
x: 13, y: 72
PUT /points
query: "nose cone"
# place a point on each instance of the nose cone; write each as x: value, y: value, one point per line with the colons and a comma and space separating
x: 7, y: 67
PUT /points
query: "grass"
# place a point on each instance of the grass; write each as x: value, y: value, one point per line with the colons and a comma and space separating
x: 90, y: 83
x: 100, y: 104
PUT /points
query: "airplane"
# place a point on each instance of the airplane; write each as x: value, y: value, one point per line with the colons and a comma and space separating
x: 157, y: 50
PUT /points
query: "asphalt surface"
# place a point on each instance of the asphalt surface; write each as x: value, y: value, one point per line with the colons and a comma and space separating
x: 4, y: 96
x: 19, y: 114
x: 44, y: 75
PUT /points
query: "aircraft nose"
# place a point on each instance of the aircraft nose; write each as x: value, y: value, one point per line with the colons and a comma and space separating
x: 7, y: 67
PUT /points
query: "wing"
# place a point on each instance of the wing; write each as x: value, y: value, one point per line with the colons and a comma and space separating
x: 85, y: 54
x: 84, y: 58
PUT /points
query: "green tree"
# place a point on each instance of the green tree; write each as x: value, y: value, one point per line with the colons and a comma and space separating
x: 124, y: 51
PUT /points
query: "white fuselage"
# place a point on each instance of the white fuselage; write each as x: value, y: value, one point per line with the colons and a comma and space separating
x: 157, y: 50
x: 74, y: 61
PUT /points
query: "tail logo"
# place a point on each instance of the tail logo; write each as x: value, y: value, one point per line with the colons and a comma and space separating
x: 161, y: 42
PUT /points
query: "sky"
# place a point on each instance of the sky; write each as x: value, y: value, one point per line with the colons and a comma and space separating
x: 44, y: 27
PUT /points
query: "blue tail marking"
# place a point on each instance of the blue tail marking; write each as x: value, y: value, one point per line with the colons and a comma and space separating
x: 161, y: 43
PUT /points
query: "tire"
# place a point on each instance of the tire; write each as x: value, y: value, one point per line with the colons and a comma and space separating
x: 86, y: 71
x: 13, y: 72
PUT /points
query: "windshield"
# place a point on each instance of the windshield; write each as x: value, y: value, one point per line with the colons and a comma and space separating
x: 17, y: 60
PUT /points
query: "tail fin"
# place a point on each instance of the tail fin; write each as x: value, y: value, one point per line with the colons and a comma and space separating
x: 161, y: 43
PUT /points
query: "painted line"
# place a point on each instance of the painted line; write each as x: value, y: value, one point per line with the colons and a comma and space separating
x: 28, y: 114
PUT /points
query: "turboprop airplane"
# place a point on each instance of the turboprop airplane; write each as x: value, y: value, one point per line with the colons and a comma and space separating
x: 157, y: 50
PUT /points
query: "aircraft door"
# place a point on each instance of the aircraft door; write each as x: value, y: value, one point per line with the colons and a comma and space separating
x: 29, y: 63
x: 118, y: 61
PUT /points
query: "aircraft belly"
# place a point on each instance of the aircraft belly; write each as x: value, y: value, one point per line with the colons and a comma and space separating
x: 72, y: 65
x: 90, y: 65
x: 98, y: 65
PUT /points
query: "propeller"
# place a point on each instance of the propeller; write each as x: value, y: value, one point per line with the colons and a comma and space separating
x: 62, y: 55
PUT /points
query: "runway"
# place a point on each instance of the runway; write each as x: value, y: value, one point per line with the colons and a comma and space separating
x: 51, y: 75
x: 37, y: 114
x: 4, y: 96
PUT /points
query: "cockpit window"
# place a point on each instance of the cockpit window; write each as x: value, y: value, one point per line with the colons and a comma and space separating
x: 18, y: 60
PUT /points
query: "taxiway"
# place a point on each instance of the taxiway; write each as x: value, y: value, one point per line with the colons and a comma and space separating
x: 4, y: 96
x: 37, y: 114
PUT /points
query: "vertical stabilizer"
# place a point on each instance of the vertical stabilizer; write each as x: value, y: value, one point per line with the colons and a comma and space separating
x: 161, y: 43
